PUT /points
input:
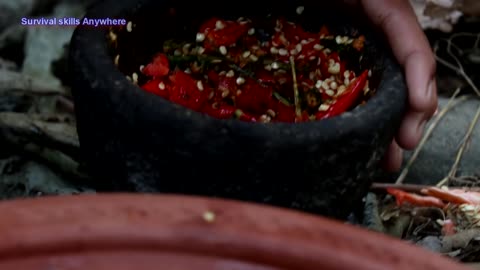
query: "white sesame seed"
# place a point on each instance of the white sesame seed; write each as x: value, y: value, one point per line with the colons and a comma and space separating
x: 369, y: 73
x: 253, y: 57
x: 304, y: 42
x: 211, y: 95
x: 318, y: 47
x: 225, y: 93
x: 311, y: 58
x: 318, y: 84
x: 273, y: 50
x: 200, y: 50
x: 298, y: 47
x: 334, y: 69
x: 265, y: 118
x: 222, y: 73
x: 338, y: 39
x: 223, y: 50
x: 240, y: 81
x: 240, y: 19
x: 200, y: 85
x: 346, y: 81
x: 323, y: 107
x: 333, y: 85
x: 271, y: 113
x: 301, y: 56
x: 161, y: 86
x: 177, y: 52
x: 129, y: 27
x: 243, y: 22
x: 275, y: 65
x: 311, y: 75
x: 135, y: 77
x: 209, y: 216
x: 128, y: 78
x: 325, y: 85
x: 278, y: 29
x: 141, y: 68
x: 200, y: 37
x: 346, y: 74
x: 329, y: 92
x: 230, y: 74
x: 268, y: 67
x: 341, y: 89
x: 293, y: 52
x: 282, y: 52
x: 256, y: 47
x: 239, y: 92
x: 219, y: 25
x: 117, y: 58
x: 246, y: 54
x: 188, y: 71
x: 327, y: 51
x: 251, y: 31
x: 300, y: 10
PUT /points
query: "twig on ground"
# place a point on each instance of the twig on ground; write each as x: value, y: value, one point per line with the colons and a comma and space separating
x: 460, y: 152
x: 452, y: 102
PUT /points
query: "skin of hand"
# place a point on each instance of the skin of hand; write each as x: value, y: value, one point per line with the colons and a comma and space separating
x: 410, y: 46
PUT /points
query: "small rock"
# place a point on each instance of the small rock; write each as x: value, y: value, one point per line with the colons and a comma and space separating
x: 438, y: 155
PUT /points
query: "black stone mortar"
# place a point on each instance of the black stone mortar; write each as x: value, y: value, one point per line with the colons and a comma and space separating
x: 135, y: 141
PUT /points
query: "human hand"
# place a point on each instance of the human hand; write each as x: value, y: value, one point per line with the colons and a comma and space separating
x: 398, y: 22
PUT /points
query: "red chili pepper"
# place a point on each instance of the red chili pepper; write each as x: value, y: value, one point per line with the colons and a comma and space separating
x: 152, y: 86
x: 348, y: 99
x: 254, y: 97
x: 158, y: 67
x: 185, y: 91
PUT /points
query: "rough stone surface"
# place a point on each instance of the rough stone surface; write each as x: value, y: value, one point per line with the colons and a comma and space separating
x: 438, y: 155
x: 135, y: 141
x: 46, y: 44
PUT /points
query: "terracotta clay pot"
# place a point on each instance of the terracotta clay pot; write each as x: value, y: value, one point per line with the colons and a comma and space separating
x: 135, y: 141
x: 122, y: 231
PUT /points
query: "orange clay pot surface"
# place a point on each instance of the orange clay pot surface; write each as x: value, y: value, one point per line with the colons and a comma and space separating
x: 140, y: 232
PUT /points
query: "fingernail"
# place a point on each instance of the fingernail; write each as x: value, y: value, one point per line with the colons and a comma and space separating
x: 431, y: 88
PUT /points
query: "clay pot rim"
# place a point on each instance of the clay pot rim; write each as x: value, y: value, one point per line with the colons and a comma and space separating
x: 49, y: 226
x: 90, y: 53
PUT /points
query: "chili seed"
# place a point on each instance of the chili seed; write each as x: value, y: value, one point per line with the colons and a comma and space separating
x: 298, y: 47
x: 177, y: 52
x: 129, y: 27
x: 135, y: 77
x: 230, y: 74
x: 304, y: 42
x: 323, y: 107
x: 275, y: 65
x: 318, y: 47
x: 369, y: 73
x: 256, y: 47
x: 222, y: 73
x: 128, y: 78
x: 301, y: 56
x: 329, y: 92
x: 200, y: 85
x: 271, y: 113
x: 273, y: 50
x: 311, y: 58
x: 311, y: 75
x: 268, y: 67
x: 141, y: 68
x: 300, y: 10
x: 200, y: 37
x: 265, y: 118
x: 282, y: 52
x: 188, y: 71
x: 341, y: 89
x: 327, y: 51
x: 223, y: 50
x: 200, y: 50
x: 346, y: 81
x: 219, y: 25
x: 246, y: 54
x: 161, y: 86
x: 240, y: 19
x: 251, y: 31
x: 318, y: 84
x: 346, y: 74
x: 240, y: 81
x: 211, y: 95
x: 253, y: 57
x: 293, y: 52
x: 117, y: 58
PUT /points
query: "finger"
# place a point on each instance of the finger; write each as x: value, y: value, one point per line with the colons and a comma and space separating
x: 393, y: 158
